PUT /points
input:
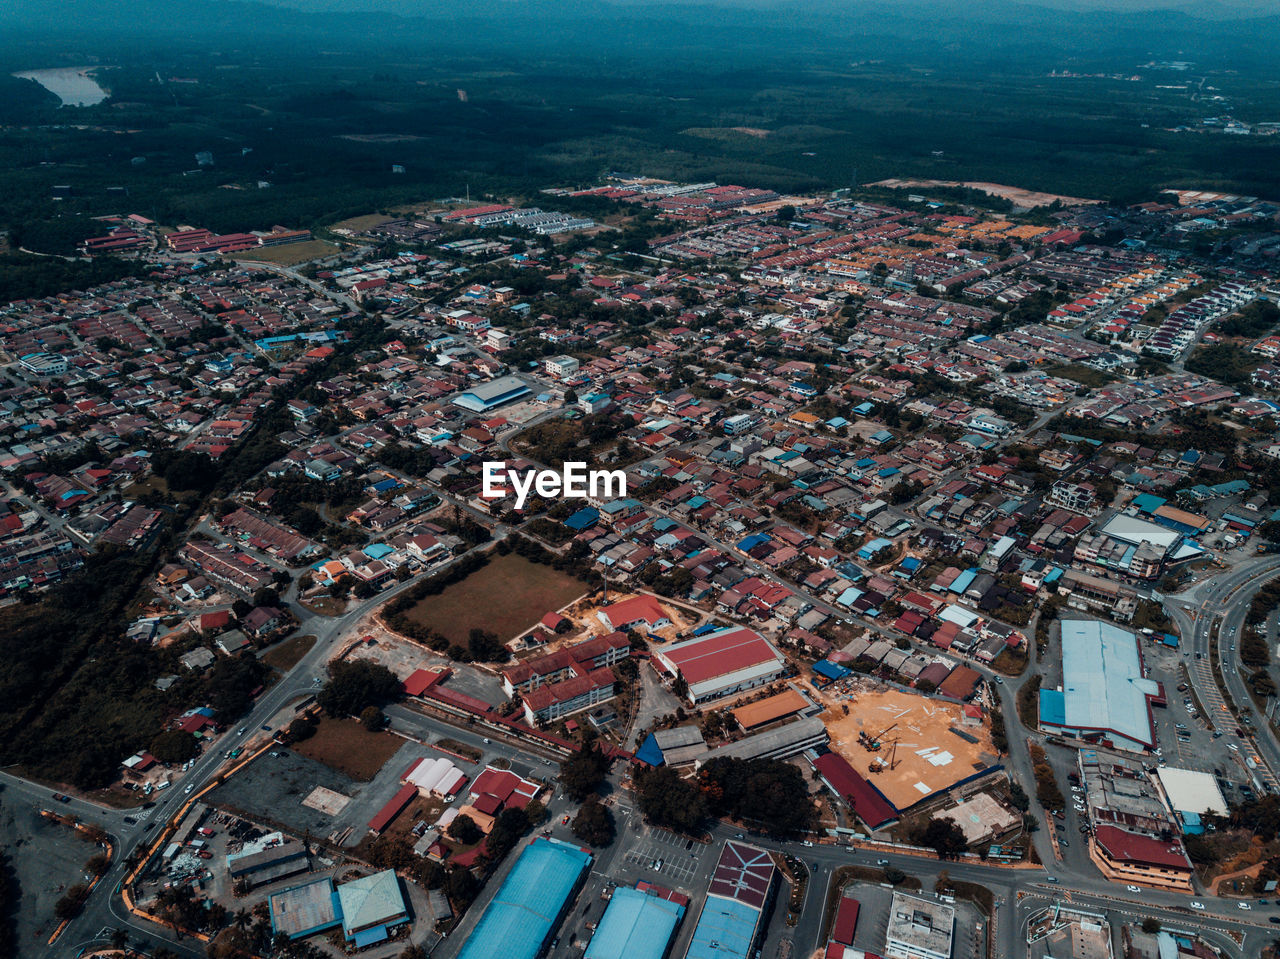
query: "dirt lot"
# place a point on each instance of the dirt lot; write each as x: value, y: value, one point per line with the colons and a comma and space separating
x: 506, y: 597
x: 1019, y: 196
x: 345, y: 745
x: 929, y: 757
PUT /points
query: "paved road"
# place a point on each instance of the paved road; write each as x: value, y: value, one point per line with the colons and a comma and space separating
x: 1222, y: 602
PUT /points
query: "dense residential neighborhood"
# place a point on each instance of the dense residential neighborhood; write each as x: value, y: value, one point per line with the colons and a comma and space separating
x: 926, y: 541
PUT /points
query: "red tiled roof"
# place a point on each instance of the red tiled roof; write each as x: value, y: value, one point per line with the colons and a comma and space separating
x: 1130, y: 847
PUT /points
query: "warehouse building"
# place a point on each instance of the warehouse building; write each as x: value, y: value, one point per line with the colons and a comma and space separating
x: 636, y: 925
x: 304, y: 910
x: 721, y: 663
x: 1104, y: 696
x: 736, y: 911
x: 491, y: 395
x: 519, y: 921
x: 776, y: 743
x: 370, y: 906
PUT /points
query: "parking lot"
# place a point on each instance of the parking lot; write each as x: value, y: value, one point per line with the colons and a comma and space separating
x: 666, y: 854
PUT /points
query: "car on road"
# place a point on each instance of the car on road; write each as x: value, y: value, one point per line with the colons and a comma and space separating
x: 189, y: 788
x: 1051, y: 879
x: 1243, y: 905
x: 999, y: 681
x: 241, y: 731
x: 807, y: 843
x: 129, y: 820
x: 61, y: 798
x: 1133, y: 889
x: 564, y: 820
x: 882, y: 862
x: 1197, y: 905
x: 1274, y: 919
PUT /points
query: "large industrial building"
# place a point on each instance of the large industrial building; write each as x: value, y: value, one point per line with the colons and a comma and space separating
x: 1104, y: 697
x: 532, y: 900
x: 365, y: 908
x: 491, y: 395
x: 636, y: 925
x: 722, y: 662
x: 736, y: 910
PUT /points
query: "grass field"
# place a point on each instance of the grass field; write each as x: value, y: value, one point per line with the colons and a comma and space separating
x: 506, y: 597
x: 345, y: 745
x: 289, y: 254
x: 285, y: 655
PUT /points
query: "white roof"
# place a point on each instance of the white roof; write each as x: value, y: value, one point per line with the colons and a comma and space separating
x: 1190, y: 790
x: 959, y: 615
x: 1102, y: 682
x: 371, y: 900
x: 1130, y: 529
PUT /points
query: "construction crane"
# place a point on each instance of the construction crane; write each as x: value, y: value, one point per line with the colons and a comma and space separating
x: 871, y: 743
x: 880, y: 762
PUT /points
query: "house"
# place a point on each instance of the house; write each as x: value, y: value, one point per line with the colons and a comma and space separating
x: 638, y: 612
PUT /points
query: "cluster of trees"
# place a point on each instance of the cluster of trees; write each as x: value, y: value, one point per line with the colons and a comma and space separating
x: 667, y: 800
x: 942, y: 836
x: 584, y: 772
x: 768, y: 794
x: 357, y: 685
x: 1047, y: 789
x: 33, y: 277
x: 594, y: 822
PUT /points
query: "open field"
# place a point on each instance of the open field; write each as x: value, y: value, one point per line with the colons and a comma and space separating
x: 345, y: 745
x: 285, y: 655
x: 289, y: 253
x: 506, y: 597
x: 929, y: 757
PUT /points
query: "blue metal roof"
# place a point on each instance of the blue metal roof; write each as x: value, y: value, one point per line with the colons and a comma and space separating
x: 529, y: 904
x: 726, y: 930
x: 1053, y: 707
x: 583, y: 518
x: 367, y: 937
x: 830, y: 670
x: 635, y: 926
x: 649, y: 752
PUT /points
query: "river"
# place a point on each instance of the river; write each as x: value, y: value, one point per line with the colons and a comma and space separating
x: 72, y: 85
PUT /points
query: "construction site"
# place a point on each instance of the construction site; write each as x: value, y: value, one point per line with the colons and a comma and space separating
x: 909, y: 747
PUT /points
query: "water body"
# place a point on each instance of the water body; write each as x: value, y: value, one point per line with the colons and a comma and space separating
x: 72, y: 85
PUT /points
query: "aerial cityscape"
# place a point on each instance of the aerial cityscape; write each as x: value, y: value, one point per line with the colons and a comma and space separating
x: 640, y: 479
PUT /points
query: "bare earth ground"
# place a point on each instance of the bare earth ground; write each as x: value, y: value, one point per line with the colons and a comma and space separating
x: 1019, y: 196
x: 922, y: 727
x: 345, y: 745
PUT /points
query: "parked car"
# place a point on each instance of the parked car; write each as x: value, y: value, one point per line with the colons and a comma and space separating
x: 1197, y: 905
x: 1243, y: 905
x: 1133, y: 888
x: 61, y: 798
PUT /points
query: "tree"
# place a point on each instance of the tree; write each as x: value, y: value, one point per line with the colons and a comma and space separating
x: 767, y: 793
x: 944, y: 837
x: 354, y: 685
x: 97, y: 865
x: 174, y: 746
x: 465, y: 830
x: 372, y: 718
x: 584, y: 771
x: 594, y: 823
x: 1151, y: 925
x: 266, y: 597
x: 667, y: 800
x: 301, y: 729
